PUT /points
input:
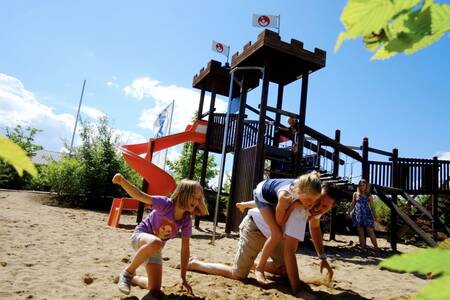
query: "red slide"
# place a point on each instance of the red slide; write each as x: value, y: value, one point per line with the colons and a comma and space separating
x: 159, y: 181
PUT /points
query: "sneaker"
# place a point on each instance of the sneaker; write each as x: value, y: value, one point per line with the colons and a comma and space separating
x: 124, y: 283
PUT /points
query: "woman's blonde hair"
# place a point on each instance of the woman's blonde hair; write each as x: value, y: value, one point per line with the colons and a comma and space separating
x: 358, y: 190
x: 184, y: 191
x: 308, y: 184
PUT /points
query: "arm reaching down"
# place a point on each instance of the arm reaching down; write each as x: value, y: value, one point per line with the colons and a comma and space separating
x: 316, y: 235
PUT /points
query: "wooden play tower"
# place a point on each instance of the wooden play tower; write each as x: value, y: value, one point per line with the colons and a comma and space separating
x: 255, y: 143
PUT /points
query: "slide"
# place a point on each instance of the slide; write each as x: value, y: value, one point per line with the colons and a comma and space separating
x: 159, y: 181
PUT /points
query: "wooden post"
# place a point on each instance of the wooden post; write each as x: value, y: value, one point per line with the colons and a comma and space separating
x: 205, y: 150
x: 395, y: 184
x: 259, y: 159
x: 301, y: 124
x: 319, y: 146
x: 140, y: 211
x: 231, y: 209
x: 276, y: 136
x: 276, y: 141
x: 195, y: 146
x: 337, y: 138
x: 365, y: 159
x: 435, y: 194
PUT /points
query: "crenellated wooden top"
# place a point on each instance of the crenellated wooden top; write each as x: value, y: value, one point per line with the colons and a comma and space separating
x: 215, y: 78
x: 288, y: 61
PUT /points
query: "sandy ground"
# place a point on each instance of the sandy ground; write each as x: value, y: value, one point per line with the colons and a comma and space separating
x: 49, y: 252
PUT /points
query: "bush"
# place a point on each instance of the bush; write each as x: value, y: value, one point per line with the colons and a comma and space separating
x: 66, y: 179
x: 84, y: 178
x: 381, y: 212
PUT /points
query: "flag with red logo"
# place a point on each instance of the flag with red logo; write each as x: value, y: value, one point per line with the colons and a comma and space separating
x: 220, y: 48
x: 266, y: 21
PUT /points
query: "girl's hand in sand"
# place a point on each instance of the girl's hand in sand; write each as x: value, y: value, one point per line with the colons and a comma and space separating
x: 185, y: 284
x: 324, y: 265
x: 117, y: 179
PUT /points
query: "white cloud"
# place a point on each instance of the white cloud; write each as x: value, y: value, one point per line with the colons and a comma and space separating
x: 444, y: 155
x: 127, y: 137
x: 186, y: 102
x: 173, y: 155
x: 92, y: 113
x: 112, y: 82
x: 19, y: 106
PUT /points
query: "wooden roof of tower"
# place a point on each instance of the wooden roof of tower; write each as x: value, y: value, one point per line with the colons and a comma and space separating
x: 288, y: 60
x: 215, y: 78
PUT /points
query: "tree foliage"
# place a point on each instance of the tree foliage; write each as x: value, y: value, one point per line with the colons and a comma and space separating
x: 180, y: 167
x: 84, y: 178
x: 435, y: 261
x: 16, y: 150
x: 389, y: 27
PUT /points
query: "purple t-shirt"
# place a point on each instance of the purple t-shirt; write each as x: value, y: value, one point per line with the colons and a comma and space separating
x: 161, y: 221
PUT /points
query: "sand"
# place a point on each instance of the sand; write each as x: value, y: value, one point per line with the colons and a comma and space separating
x: 49, y: 252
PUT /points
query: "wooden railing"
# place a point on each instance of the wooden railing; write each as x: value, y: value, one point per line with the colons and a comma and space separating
x: 380, y: 173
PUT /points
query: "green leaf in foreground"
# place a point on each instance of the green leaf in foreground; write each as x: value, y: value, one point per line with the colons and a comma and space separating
x: 14, y: 155
x: 445, y: 244
x: 434, y: 260
x: 437, y: 289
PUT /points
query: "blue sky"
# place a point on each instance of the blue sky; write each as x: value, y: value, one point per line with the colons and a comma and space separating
x: 139, y: 55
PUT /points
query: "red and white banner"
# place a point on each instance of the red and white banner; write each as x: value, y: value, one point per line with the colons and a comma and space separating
x: 220, y: 48
x: 265, y: 21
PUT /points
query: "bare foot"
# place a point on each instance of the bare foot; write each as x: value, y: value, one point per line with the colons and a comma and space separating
x: 240, y: 206
x: 260, y: 277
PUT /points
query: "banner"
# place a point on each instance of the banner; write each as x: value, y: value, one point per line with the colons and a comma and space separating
x: 161, y: 127
x: 220, y: 48
x: 265, y: 21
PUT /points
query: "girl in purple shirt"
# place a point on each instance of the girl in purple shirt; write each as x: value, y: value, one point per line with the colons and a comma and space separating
x: 169, y: 215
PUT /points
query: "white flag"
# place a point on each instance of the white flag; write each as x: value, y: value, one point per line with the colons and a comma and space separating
x: 161, y: 127
x: 220, y: 48
x: 265, y: 21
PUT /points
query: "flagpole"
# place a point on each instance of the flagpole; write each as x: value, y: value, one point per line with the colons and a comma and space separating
x: 279, y: 22
x: 224, y: 144
x: 228, y: 56
x: 78, y: 114
x: 168, y: 133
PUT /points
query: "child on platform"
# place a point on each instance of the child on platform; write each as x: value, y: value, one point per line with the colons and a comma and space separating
x: 169, y: 215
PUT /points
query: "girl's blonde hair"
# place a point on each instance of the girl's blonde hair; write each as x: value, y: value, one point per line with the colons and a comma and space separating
x: 308, y: 184
x: 358, y: 190
x: 184, y: 191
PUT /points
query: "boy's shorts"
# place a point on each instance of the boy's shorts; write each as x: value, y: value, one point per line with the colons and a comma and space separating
x: 154, y: 259
x: 251, y: 242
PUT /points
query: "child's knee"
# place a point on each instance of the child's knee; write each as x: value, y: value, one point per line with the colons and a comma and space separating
x: 156, y: 244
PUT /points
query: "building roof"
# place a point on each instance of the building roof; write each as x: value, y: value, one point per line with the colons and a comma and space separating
x: 45, y: 157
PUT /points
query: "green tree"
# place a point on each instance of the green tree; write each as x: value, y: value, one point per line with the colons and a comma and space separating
x: 24, y: 138
x: 389, y: 27
x: 84, y: 178
x: 180, y: 167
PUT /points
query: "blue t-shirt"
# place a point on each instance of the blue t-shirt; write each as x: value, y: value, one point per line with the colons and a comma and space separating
x: 271, y: 187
